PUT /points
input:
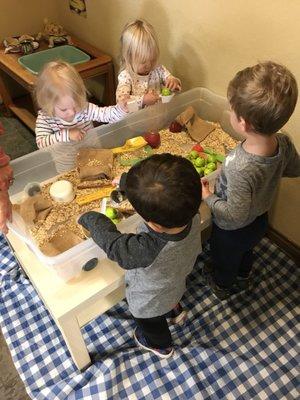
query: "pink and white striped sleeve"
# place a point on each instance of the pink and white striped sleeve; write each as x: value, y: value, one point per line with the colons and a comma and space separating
x: 105, y: 114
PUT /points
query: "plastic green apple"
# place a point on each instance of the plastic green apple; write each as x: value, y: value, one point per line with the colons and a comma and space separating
x: 111, y: 213
x: 211, y: 158
x: 200, y: 170
x: 199, y: 162
x: 211, y: 165
x: 208, y: 171
x: 194, y: 154
x: 166, y: 91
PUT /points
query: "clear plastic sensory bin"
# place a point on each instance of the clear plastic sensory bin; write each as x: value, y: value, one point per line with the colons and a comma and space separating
x: 40, y: 167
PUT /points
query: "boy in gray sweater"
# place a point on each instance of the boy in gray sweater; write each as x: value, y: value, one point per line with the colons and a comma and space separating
x: 262, y: 99
x: 166, y: 191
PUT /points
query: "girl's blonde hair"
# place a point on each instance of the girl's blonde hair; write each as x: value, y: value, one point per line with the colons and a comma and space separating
x: 138, y: 45
x: 56, y: 79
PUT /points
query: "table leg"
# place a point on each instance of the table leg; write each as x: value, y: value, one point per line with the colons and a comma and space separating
x: 5, y: 95
x: 71, y: 332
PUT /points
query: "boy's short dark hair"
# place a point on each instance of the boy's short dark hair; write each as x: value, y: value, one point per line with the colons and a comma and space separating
x: 164, y: 189
x: 264, y: 95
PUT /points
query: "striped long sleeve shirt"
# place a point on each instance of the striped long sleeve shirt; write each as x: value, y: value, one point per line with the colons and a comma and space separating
x: 51, y: 130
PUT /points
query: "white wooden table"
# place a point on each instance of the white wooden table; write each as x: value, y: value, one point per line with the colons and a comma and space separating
x: 74, y: 303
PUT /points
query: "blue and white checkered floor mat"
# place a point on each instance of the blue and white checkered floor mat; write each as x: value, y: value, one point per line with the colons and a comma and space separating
x: 243, y: 348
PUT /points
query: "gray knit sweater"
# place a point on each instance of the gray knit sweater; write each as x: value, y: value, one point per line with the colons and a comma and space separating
x: 156, y: 264
x: 247, y: 184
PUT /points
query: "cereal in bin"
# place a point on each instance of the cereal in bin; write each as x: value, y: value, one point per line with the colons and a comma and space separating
x: 59, y: 221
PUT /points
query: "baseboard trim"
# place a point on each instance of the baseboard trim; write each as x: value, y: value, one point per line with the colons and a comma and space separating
x: 290, y: 248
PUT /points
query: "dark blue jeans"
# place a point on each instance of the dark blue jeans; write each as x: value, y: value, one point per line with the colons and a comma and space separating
x: 156, y: 329
x: 232, y: 251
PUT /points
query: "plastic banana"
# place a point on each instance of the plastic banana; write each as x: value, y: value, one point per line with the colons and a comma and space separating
x: 130, y: 145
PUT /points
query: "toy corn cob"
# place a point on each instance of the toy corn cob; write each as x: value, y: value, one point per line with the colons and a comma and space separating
x: 97, y: 195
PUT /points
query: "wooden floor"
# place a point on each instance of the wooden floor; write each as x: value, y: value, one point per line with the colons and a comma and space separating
x: 11, y: 386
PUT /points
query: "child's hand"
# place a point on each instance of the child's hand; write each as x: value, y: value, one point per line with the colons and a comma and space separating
x: 116, y: 180
x: 150, y: 98
x: 123, y: 104
x: 205, y: 189
x: 76, y: 134
x: 173, y: 83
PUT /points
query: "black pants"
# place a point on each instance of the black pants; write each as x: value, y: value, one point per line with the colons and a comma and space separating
x: 232, y: 251
x: 156, y: 331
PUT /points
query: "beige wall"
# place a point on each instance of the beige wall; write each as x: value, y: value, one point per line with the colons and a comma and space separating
x: 204, y: 42
x: 24, y: 16
x: 285, y: 215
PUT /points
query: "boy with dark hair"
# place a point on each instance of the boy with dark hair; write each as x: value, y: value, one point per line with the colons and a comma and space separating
x: 166, y: 191
x: 262, y: 99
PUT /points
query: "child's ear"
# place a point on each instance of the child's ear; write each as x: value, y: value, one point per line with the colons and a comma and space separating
x: 245, y: 126
x: 156, y: 227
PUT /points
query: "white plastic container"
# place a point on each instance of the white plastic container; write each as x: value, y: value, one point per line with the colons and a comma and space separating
x: 132, y: 106
x: 69, y: 263
x: 166, y: 99
x: 39, y: 166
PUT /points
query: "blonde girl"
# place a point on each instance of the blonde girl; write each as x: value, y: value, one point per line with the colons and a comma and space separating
x: 65, y: 114
x: 141, y: 77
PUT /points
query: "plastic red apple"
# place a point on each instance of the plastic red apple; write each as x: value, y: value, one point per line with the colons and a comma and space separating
x: 198, y: 148
x: 153, y: 139
x: 175, y: 127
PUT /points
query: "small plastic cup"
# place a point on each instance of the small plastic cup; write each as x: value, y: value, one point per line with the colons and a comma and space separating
x: 166, y: 99
x: 132, y: 106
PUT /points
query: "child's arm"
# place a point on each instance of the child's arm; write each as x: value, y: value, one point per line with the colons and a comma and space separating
x: 233, y: 212
x: 168, y: 79
x: 128, y: 250
x: 292, y: 168
x: 45, y: 136
x: 124, y: 89
x: 105, y: 114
